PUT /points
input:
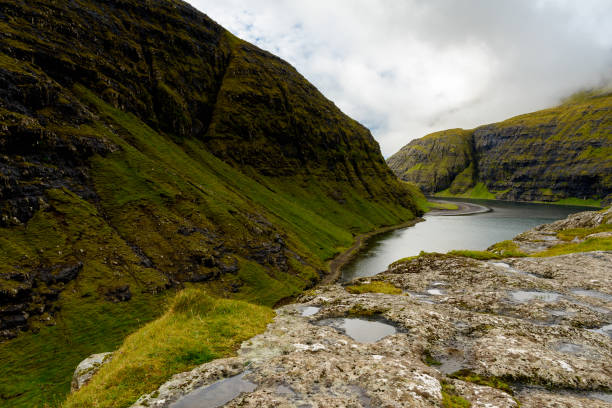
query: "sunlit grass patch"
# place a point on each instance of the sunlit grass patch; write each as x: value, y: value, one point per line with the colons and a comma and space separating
x: 580, y: 233
x: 374, y: 287
x: 482, y: 255
x: 441, y: 206
x: 196, y: 328
x: 507, y: 249
x: 591, y: 244
x: 451, y: 399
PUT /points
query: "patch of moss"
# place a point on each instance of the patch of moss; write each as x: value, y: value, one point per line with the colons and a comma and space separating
x: 441, y: 206
x: 506, y: 249
x: 579, y: 202
x: 374, y: 287
x: 492, y: 381
x: 580, y: 233
x: 359, y: 310
x: 451, y: 399
x: 429, y: 359
x: 591, y: 244
x: 482, y: 255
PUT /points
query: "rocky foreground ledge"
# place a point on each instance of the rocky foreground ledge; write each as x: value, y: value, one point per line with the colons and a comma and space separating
x: 451, y: 331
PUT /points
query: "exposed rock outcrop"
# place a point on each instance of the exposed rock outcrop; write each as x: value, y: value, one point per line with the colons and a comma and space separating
x: 534, y: 331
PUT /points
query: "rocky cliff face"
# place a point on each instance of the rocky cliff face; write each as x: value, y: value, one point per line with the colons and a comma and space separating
x: 142, y: 146
x: 548, y: 155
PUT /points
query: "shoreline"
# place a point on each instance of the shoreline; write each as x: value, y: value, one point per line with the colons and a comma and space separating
x: 590, y: 207
x: 340, y: 260
x: 336, y: 264
x: 464, y: 209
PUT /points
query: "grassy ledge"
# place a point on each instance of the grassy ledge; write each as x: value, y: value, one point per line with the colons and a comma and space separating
x: 196, y: 328
x: 374, y: 287
x: 482, y: 255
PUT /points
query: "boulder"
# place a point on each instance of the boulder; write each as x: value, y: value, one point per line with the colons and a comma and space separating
x: 88, y: 368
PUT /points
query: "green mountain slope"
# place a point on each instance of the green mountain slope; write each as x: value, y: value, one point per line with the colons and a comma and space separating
x: 563, y: 153
x: 143, y: 148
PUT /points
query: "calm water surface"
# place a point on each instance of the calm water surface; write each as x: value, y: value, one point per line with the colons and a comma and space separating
x: 444, y: 233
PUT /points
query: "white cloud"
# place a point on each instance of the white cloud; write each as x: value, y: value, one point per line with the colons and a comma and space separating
x: 405, y: 68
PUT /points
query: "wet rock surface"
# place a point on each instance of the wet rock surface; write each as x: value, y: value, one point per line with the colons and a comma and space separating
x: 476, y: 325
x: 496, y: 333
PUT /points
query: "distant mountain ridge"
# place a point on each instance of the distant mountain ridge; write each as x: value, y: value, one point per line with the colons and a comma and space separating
x: 562, y: 153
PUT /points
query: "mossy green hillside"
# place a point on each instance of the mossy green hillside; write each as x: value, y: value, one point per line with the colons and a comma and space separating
x: 478, y: 191
x: 144, y: 149
x: 151, y: 189
x: 562, y: 155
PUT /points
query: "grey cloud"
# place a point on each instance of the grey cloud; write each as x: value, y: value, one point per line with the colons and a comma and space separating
x: 410, y: 67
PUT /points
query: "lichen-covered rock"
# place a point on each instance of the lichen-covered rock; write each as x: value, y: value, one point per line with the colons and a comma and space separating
x: 88, y: 368
x: 467, y: 314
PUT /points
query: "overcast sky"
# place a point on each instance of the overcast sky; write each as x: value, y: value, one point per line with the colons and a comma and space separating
x: 405, y: 68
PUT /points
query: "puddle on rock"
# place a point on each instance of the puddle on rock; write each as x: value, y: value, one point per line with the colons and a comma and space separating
x: 362, y: 396
x: 523, y: 296
x: 577, y: 349
x: 217, y: 394
x: 451, y: 362
x: 603, y: 396
x: 589, y: 306
x: 570, y: 348
x: 421, y: 297
x: 436, y: 292
x: 605, y: 330
x: 508, y: 268
x: 561, y: 313
x: 361, y: 330
x: 285, y: 390
x: 309, y: 310
x: 593, y: 294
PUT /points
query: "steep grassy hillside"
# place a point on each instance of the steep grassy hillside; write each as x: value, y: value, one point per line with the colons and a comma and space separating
x: 144, y: 148
x: 559, y: 154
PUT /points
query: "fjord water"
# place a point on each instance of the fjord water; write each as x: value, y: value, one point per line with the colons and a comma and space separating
x: 445, y: 233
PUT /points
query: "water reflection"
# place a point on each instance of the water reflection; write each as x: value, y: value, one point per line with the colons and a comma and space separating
x: 442, y: 234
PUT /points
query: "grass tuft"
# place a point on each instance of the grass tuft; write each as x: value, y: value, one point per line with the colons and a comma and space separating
x: 374, y: 287
x: 591, y: 244
x: 196, y: 328
x: 493, y: 382
x: 481, y: 255
x: 451, y: 399
x: 507, y: 249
